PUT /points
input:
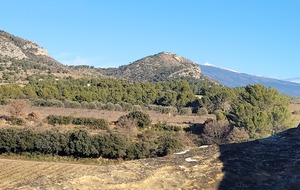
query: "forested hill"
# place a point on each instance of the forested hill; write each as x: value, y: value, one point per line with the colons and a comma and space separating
x: 159, y: 67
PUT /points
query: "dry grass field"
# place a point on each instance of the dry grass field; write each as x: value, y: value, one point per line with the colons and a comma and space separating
x: 171, y: 172
x: 296, y: 117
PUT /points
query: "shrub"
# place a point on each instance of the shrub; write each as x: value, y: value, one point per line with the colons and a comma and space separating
x: 8, y: 140
x: 202, y: 111
x: 168, y: 109
x: 219, y: 115
x: 142, y: 119
x: 185, y: 111
x: 4, y: 102
x: 84, y: 104
x: 167, y: 145
x: 215, y: 132
x: 125, y: 122
x: 112, y: 145
x: 48, y: 103
x: 15, y: 121
x: 17, y: 108
x: 59, y: 120
x: 80, y: 144
x: 137, y: 108
x: 91, y: 105
x: 40, y: 102
x: 238, y: 135
x: 138, y: 150
x: 99, y: 105
x: 93, y: 123
x: 56, y: 103
x: 126, y: 106
x: 33, y: 116
x: 72, y: 104
x: 165, y: 127
x: 110, y: 106
x: 118, y: 107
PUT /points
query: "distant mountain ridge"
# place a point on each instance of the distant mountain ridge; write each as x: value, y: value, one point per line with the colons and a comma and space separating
x: 231, y: 78
x: 20, y: 58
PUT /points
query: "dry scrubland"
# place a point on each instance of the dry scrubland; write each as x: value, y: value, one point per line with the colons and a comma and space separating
x: 112, y: 116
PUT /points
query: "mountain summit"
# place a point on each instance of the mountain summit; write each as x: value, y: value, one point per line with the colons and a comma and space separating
x: 22, y: 58
x: 158, y: 67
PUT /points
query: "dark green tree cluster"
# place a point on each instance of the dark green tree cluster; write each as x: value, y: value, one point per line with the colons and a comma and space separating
x: 174, y: 93
x: 261, y: 111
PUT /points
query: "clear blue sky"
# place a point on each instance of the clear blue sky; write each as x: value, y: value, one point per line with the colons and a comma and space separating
x: 260, y: 37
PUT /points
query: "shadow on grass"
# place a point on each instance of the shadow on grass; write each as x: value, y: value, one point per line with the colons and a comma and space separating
x: 270, y: 163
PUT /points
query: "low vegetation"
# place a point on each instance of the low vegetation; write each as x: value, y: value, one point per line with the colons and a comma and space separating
x: 241, y: 114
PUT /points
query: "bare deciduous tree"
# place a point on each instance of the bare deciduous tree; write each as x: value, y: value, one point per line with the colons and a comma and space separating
x: 17, y: 108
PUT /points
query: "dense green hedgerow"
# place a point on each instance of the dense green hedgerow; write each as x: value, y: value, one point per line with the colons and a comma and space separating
x: 93, y: 123
x: 80, y: 143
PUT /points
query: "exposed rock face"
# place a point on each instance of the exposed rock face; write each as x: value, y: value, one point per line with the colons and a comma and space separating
x: 22, y: 58
x: 271, y: 163
x: 8, y: 49
x: 14, y: 47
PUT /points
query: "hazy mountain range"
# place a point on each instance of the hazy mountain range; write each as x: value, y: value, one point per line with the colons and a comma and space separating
x: 232, y: 78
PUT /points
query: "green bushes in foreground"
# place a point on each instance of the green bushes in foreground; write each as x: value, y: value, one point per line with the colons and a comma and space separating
x: 84, y: 145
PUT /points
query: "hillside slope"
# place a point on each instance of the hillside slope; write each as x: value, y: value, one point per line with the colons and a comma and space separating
x: 235, y: 79
x: 21, y: 58
x: 271, y: 163
x: 158, y: 67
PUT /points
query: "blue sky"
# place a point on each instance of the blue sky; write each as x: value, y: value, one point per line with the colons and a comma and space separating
x: 260, y: 37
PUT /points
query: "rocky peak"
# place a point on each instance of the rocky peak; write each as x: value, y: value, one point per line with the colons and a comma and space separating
x: 158, y: 67
x: 18, y: 48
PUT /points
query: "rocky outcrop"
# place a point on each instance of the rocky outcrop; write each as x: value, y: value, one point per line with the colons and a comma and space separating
x: 20, y: 58
x: 18, y: 48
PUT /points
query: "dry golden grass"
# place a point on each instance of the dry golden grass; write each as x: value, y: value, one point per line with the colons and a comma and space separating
x: 295, y: 107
